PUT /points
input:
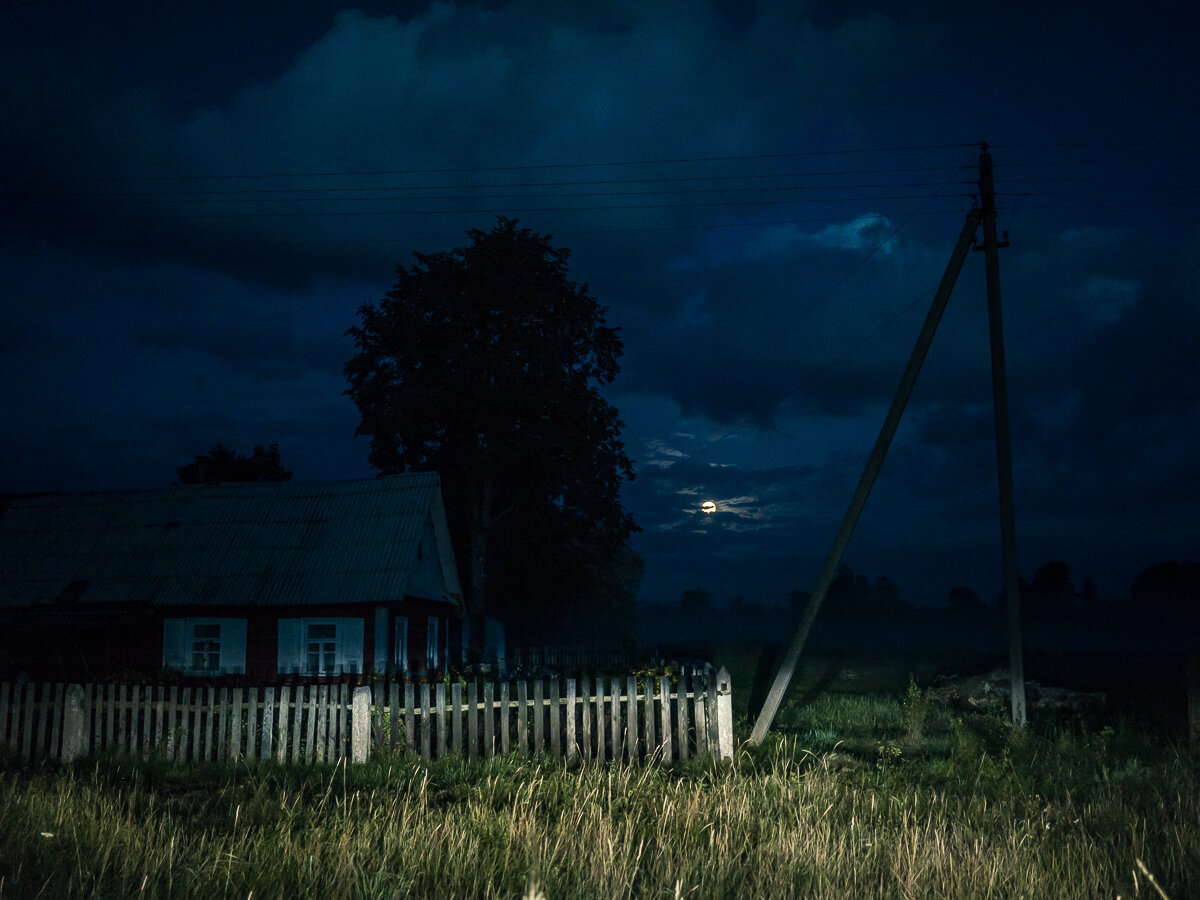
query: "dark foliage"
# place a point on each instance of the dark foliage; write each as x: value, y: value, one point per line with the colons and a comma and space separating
x: 483, y: 363
x: 1169, y: 591
x: 225, y: 464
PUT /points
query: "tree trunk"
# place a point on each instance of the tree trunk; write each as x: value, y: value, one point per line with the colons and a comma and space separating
x: 481, y: 523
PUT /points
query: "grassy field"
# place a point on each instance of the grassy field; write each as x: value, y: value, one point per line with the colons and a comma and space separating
x: 862, y: 794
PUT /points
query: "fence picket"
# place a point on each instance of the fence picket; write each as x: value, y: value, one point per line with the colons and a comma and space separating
x: 699, y: 691
x: 341, y: 749
x: 297, y: 732
x: 206, y: 713
x: 172, y: 711
x: 440, y: 691
x: 710, y: 708
x: 618, y: 736
x: 320, y: 717
x: 631, y: 718
x: 664, y: 690
x: 456, y: 714
x: 681, y: 716
x: 473, y: 714
x: 505, y: 737
x: 268, y: 724
x: 555, y: 714
x: 489, y: 720
x: 135, y: 724
x: 185, y: 701
x: 251, y: 725
x: 393, y: 707
x: 597, y: 707
x: 572, y: 748
x: 129, y: 709
x: 522, y: 718
x: 116, y: 735
x: 585, y: 717
x: 27, y: 743
x: 55, y: 715
x: 55, y: 721
x: 147, y: 732
x: 310, y: 726
x: 410, y: 719
x: 282, y: 729
x: 426, y: 722
x: 333, y: 737
x: 539, y: 715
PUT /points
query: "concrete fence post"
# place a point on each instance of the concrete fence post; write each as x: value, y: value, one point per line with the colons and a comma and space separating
x: 724, y: 715
x: 360, y: 734
x: 74, y: 724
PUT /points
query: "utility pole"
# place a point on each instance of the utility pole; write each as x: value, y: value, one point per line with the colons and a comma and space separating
x: 787, y: 668
x: 1008, y: 527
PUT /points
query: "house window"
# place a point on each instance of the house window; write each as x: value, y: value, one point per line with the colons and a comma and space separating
x: 206, y: 648
x: 321, y: 644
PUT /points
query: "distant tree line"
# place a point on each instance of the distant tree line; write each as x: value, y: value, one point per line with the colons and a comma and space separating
x: 1166, y: 592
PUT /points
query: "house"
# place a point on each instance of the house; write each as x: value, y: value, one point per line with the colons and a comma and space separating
x: 254, y: 582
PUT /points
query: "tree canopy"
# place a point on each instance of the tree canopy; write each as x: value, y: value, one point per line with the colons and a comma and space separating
x: 484, y: 363
x: 223, y: 463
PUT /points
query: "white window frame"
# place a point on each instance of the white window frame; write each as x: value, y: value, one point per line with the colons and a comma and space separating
x: 180, y: 640
x: 293, y: 643
x: 207, y: 648
x: 328, y: 648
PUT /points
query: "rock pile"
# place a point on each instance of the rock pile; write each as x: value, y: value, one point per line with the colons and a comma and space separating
x: 982, y: 692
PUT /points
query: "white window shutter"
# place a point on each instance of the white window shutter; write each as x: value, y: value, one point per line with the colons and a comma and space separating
x: 431, y: 644
x: 381, y: 639
x: 351, y: 637
x: 175, y: 644
x: 290, y: 652
x: 402, y: 643
x: 233, y: 646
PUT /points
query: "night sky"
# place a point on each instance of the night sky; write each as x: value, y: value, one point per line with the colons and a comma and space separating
x: 198, y: 197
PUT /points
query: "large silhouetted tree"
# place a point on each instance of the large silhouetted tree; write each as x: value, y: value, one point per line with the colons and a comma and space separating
x: 483, y: 363
x: 223, y: 463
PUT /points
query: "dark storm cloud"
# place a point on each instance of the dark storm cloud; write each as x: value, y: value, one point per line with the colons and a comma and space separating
x: 457, y: 86
x: 159, y: 300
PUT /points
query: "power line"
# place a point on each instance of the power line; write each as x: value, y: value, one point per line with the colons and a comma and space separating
x: 537, y: 166
x: 240, y: 196
x: 505, y: 210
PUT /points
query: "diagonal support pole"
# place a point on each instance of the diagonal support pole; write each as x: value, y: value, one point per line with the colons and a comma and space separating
x: 787, y: 668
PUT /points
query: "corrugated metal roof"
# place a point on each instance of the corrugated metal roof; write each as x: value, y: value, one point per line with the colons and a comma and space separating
x: 253, y: 544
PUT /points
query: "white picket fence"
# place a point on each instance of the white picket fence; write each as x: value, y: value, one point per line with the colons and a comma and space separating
x: 593, y: 719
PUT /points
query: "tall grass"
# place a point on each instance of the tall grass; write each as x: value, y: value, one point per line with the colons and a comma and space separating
x: 857, y: 797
